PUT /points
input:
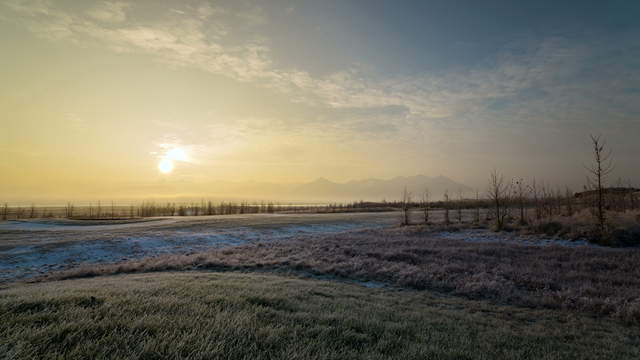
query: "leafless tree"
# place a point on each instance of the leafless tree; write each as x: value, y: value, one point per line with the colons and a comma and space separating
x: 602, y: 166
x: 521, y: 193
x: 425, y: 205
x: 406, y: 203
x: 446, y: 207
x: 32, y: 211
x: 536, y: 198
x: 632, y: 196
x: 5, y: 211
x: 498, y: 194
x: 569, y: 201
x: 68, y: 210
x: 460, y: 204
x: 476, y: 218
x: 558, y: 201
x: 546, y: 200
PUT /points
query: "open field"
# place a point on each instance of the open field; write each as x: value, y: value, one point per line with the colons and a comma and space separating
x: 328, y: 286
x: 203, y: 315
x: 38, y: 246
x: 475, y: 263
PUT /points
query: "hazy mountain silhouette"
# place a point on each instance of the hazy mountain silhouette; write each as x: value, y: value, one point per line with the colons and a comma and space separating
x: 318, y: 190
x: 377, y: 189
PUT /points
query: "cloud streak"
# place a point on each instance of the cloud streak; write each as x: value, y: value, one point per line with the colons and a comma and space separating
x: 199, y: 37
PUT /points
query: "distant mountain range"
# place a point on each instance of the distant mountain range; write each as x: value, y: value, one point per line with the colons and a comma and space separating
x: 325, y: 190
x: 376, y: 189
x: 318, y: 191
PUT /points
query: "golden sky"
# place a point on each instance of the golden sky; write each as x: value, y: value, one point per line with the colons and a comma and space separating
x: 140, y: 99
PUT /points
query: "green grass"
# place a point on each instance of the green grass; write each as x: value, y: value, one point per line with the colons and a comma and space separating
x: 203, y: 315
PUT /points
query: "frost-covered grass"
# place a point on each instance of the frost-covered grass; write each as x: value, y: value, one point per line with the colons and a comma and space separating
x: 198, y: 315
x: 586, y: 279
x: 29, y: 248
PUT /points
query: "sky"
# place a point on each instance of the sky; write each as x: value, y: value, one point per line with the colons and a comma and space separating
x: 142, y: 99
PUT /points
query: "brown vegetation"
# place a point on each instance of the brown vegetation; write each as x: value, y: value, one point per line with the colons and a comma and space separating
x: 593, y: 280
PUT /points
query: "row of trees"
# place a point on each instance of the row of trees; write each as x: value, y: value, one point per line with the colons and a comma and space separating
x: 521, y: 201
x: 202, y: 208
x: 146, y: 209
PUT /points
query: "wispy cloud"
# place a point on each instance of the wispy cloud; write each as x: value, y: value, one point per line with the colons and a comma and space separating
x: 199, y: 37
x: 109, y: 11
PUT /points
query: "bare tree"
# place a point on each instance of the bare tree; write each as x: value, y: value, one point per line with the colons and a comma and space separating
x: 546, y: 195
x: 602, y: 166
x: 5, y: 211
x: 569, y: 201
x: 68, y: 210
x: 498, y: 194
x: 533, y: 189
x: 521, y: 193
x: 425, y: 205
x: 406, y: 203
x: 558, y: 201
x: 446, y: 207
x: 460, y: 204
x: 476, y: 218
x: 632, y: 196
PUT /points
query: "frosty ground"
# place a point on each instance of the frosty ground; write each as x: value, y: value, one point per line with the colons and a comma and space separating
x: 33, y: 247
x: 323, y: 286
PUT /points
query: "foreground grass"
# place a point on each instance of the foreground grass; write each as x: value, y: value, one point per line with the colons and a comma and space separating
x: 198, y: 315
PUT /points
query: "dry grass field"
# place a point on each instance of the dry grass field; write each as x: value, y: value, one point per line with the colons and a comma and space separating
x: 320, y: 287
x: 586, y: 279
x: 205, y: 315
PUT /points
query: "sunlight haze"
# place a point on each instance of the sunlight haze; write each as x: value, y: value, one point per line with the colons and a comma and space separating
x: 144, y: 99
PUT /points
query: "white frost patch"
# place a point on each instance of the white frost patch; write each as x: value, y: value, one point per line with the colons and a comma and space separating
x: 49, y: 249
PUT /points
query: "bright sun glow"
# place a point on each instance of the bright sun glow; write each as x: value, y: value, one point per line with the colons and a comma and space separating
x: 177, y: 154
x: 165, y: 166
x: 171, y: 155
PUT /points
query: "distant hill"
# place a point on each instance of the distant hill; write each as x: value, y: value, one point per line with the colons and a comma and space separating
x: 376, y: 189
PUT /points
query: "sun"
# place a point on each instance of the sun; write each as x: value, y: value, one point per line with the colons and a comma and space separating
x: 171, y: 157
x: 165, y: 166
